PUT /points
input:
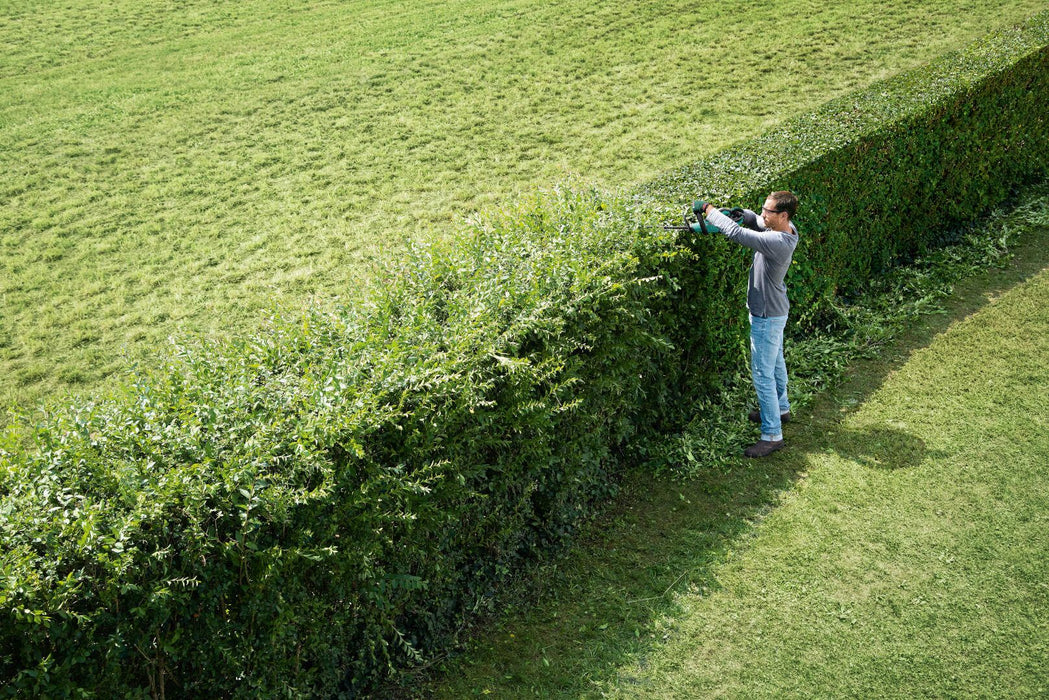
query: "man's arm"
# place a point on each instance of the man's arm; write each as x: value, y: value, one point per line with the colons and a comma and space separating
x: 755, y: 240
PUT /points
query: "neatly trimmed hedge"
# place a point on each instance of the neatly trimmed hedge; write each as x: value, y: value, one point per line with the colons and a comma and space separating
x: 301, y: 511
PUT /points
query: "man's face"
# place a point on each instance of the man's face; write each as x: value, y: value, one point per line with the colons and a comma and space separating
x: 773, y: 217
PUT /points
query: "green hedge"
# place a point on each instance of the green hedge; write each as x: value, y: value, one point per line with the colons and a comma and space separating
x: 882, y: 173
x: 303, y: 511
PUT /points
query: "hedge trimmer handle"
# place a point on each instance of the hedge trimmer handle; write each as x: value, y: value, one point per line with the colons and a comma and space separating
x: 698, y: 207
x: 695, y: 222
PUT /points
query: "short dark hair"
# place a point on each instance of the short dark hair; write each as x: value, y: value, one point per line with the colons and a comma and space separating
x: 785, y: 201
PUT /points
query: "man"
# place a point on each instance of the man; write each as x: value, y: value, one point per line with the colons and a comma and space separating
x: 773, y: 244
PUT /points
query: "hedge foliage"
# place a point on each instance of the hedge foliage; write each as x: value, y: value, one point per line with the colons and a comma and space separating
x: 305, y: 510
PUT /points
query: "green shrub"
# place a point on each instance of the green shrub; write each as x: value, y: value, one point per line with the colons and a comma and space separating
x: 294, y: 512
x: 303, y: 511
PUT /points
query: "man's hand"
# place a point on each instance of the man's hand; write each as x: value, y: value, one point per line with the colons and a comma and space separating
x: 702, y: 208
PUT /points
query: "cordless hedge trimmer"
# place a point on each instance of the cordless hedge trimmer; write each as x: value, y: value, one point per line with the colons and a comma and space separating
x: 696, y: 223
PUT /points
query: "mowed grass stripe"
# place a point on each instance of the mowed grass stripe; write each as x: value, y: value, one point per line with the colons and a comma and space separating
x: 178, y: 170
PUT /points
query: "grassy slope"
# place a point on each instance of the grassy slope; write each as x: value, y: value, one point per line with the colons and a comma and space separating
x: 178, y: 168
x: 898, y: 548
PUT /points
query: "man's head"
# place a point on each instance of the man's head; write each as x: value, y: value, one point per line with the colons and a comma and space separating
x: 779, y: 209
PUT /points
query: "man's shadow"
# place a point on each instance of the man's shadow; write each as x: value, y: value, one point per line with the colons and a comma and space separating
x: 879, y: 447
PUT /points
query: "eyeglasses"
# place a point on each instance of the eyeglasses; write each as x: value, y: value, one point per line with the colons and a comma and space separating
x: 770, y: 211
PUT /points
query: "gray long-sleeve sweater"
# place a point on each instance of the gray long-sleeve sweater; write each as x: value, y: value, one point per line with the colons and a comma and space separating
x: 773, y: 250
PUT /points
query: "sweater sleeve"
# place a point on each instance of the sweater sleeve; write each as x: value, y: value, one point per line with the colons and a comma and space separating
x: 765, y: 242
x: 755, y: 240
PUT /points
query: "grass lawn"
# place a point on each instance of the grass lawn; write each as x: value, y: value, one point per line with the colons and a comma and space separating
x: 181, y: 168
x: 898, y: 548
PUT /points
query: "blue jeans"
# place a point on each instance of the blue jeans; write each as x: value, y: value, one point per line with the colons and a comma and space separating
x: 769, y: 372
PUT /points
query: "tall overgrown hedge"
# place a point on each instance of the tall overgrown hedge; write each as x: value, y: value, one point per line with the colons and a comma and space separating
x: 302, y: 511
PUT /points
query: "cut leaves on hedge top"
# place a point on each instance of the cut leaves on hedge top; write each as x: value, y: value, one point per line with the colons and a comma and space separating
x: 306, y: 510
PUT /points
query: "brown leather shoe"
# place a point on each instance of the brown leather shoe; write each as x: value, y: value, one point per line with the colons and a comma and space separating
x: 755, y: 417
x: 763, y: 448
